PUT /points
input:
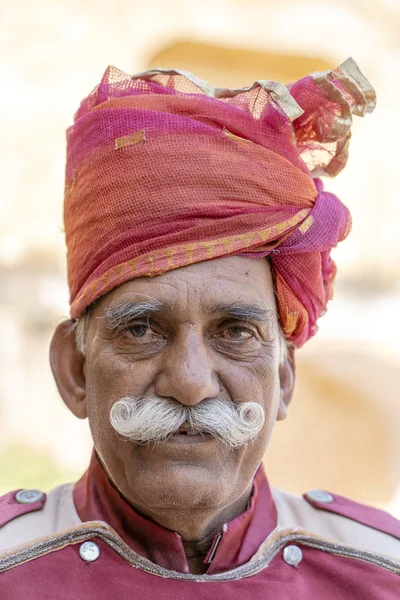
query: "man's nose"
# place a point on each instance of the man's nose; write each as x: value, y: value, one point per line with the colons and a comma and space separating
x: 188, y: 375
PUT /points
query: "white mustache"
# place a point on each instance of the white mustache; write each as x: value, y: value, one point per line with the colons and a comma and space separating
x: 155, y: 419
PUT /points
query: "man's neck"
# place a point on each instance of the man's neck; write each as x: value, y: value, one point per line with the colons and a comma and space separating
x: 198, y: 528
x: 195, y: 553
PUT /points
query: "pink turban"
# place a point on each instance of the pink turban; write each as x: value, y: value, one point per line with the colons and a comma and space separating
x: 164, y: 170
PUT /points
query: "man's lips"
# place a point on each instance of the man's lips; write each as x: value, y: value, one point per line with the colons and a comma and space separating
x: 186, y: 430
x: 184, y: 435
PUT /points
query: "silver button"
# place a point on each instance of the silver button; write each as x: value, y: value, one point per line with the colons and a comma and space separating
x: 89, y: 551
x: 292, y: 555
x: 320, y: 496
x: 29, y: 496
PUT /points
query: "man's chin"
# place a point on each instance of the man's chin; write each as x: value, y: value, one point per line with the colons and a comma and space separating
x: 178, y: 485
x: 178, y: 475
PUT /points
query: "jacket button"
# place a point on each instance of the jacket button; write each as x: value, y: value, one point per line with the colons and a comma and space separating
x: 89, y: 551
x: 320, y: 496
x: 29, y: 496
x: 292, y: 555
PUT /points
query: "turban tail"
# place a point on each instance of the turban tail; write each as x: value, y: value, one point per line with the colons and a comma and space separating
x: 164, y: 171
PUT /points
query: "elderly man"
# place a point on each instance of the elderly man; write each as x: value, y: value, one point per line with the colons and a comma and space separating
x: 199, y: 247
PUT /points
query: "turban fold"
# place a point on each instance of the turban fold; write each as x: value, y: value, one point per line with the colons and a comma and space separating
x: 164, y: 170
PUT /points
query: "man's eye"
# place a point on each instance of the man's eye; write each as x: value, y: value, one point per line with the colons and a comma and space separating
x: 138, y: 331
x: 237, y: 333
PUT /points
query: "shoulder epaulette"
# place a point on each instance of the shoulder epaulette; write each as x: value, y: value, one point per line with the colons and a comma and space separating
x: 366, y: 515
x: 20, y: 502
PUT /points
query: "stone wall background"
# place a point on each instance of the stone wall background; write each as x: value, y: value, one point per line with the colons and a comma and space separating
x: 342, y: 432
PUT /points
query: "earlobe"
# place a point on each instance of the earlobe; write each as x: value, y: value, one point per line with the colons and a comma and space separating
x: 68, y: 367
x: 287, y: 377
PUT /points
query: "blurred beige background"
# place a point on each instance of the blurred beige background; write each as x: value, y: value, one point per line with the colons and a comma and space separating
x: 343, y: 430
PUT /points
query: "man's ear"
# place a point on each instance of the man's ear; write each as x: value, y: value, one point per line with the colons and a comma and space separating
x: 287, y: 377
x: 68, y: 366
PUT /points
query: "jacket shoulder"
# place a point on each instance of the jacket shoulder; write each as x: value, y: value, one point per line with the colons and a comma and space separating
x: 340, y: 520
x: 20, y: 502
x: 26, y: 515
x: 361, y: 513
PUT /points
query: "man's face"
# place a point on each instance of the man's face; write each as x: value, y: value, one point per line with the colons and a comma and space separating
x: 214, y: 334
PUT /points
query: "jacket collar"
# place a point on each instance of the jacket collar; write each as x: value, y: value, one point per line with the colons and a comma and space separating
x: 96, y: 499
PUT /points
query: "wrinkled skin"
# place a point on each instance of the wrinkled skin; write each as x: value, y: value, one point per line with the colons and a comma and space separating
x: 186, y: 354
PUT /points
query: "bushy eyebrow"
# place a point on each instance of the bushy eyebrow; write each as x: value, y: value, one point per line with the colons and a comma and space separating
x: 121, y: 314
x: 242, y: 311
